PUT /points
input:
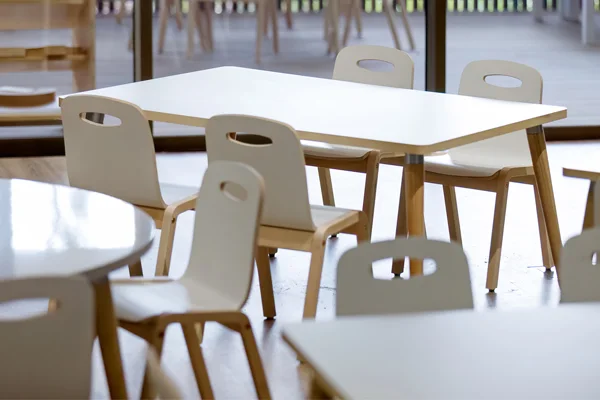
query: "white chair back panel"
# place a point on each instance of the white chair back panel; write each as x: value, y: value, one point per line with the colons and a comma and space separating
x: 347, y: 66
x: 280, y: 163
x: 118, y: 160
x: 227, y: 221
x: 510, y: 150
x: 579, y: 277
x: 48, y: 356
x: 448, y: 288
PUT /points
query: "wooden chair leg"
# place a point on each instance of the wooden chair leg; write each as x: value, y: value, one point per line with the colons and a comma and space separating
x: 326, y: 187
x: 135, y: 269
x: 349, y: 12
x: 165, y: 247
x: 325, y: 12
x: 288, y: 14
x: 191, y: 27
x: 497, y: 235
x: 163, y: 17
x: 371, y: 188
x: 588, y: 218
x: 261, y: 15
x: 407, y: 28
x: 156, y: 341
x: 197, y: 361
x: 266, y: 283
x: 274, y: 25
x: 452, y: 214
x: 317, y: 251
x: 209, y: 26
x: 358, y: 17
x: 178, y: 15
x: 254, y: 360
x: 363, y: 228
x: 401, y: 229
x: 387, y: 9
x: 122, y: 12
x: 202, y: 29
x: 544, y: 239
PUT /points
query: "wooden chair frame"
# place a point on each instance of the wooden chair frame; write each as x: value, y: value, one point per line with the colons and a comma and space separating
x: 498, y: 184
x: 592, y: 213
x: 153, y: 331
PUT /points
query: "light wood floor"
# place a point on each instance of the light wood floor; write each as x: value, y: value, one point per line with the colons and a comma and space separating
x: 521, y: 283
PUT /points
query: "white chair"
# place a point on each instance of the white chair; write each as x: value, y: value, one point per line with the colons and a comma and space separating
x: 217, y: 281
x: 491, y: 164
x: 579, y: 276
x: 288, y: 220
x: 119, y: 160
x: 448, y: 288
x: 356, y: 159
x: 48, y: 355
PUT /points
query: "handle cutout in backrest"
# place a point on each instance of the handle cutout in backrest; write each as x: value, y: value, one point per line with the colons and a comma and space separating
x: 505, y: 81
x: 26, y: 309
x: 449, y: 287
x: 381, y: 268
x: 109, y: 120
x: 233, y: 191
x: 375, y: 65
x: 255, y: 139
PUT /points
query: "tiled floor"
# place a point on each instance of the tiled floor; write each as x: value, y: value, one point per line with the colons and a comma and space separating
x: 521, y: 283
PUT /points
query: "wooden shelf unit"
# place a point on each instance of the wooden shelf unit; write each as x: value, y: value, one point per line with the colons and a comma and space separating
x: 77, y: 56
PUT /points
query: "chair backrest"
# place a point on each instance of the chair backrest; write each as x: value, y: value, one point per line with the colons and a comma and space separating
x: 280, y: 163
x: 118, y: 160
x: 227, y: 220
x: 510, y: 150
x: 48, y: 356
x: 579, y: 277
x: 347, y: 66
x: 448, y: 288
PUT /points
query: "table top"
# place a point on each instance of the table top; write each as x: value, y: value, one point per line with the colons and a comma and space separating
x: 337, y: 112
x: 549, y: 353
x: 50, y: 229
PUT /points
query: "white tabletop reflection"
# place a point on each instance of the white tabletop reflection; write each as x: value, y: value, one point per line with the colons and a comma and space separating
x: 50, y: 229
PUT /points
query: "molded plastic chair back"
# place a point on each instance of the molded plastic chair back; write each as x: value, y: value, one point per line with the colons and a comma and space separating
x: 48, y: 356
x: 448, y: 288
x: 280, y: 163
x: 579, y: 277
x: 347, y: 66
x: 510, y: 150
x: 227, y: 221
x: 118, y: 160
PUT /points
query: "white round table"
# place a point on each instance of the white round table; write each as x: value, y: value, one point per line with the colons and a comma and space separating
x: 49, y: 230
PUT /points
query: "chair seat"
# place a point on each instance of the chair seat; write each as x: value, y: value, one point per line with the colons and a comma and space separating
x: 443, y: 164
x: 324, y: 215
x: 325, y: 150
x: 136, y: 299
x: 172, y: 192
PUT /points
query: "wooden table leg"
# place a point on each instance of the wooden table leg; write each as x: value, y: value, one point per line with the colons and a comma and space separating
x: 106, y: 329
x: 588, y: 218
x: 414, y: 180
x: 539, y: 157
x: 316, y: 390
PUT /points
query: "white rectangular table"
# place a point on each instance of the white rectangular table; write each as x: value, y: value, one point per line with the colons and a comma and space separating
x: 549, y: 353
x: 388, y: 119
